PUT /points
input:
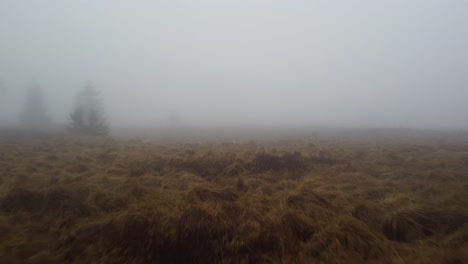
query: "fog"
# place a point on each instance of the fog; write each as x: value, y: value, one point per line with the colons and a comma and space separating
x: 368, y: 63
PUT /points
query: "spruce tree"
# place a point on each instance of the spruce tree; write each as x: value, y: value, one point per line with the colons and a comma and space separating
x: 88, y: 116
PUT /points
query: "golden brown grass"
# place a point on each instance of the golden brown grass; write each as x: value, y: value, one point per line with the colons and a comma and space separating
x: 76, y: 200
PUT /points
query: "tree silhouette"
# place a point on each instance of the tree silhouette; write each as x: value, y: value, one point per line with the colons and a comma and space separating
x: 34, y: 115
x: 88, y: 116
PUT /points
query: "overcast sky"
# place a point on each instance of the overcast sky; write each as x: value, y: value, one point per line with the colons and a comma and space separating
x: 379, y: 63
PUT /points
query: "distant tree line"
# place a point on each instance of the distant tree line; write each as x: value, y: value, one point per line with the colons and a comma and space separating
x: 87, y: 117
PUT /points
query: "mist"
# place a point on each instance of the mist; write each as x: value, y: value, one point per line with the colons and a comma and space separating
x: 242, y: 63
x: 233, y: 131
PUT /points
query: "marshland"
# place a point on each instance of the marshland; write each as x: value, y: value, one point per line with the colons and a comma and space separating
x: 219, y: 131
x: 88, y: 200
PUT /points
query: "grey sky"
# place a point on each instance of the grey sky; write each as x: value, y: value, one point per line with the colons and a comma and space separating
x: 386, y: 63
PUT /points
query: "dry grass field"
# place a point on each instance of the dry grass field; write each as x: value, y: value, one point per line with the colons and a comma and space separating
x: 84, y: 200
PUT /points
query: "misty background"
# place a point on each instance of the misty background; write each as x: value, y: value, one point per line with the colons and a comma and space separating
x: 366, y: 63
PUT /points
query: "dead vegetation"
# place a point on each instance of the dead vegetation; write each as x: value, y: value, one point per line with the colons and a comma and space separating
x: 418, y: 223
x: 103, y: 201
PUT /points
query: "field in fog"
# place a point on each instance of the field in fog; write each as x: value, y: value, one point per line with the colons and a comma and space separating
x: 320, y: 200
x: 247, y: 131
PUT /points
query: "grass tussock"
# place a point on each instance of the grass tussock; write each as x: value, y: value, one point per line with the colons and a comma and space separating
x: 54, y: 200
x: 205, y: 194
x: 292, y: 163
x: 417, y: 223
x: 20, y: 199
x: 73, y: 200
x: 297, y: 225
x: 348, y: 239
x: 136, y: 236
x: 368, y: 213
x: 307, y: 198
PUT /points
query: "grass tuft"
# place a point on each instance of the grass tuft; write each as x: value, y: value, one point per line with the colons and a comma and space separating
x: 418, y: 223
x: 205, y: 194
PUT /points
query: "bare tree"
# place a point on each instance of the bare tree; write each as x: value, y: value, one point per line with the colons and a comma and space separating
x: 88, y: 116
x: 34, y: 115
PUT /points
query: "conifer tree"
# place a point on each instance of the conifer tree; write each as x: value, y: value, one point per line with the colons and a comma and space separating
x: 88, y: 115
